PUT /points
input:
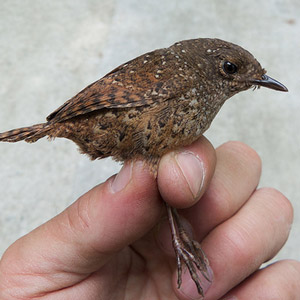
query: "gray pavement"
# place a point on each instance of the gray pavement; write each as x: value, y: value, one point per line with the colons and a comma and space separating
x: 49, y: 50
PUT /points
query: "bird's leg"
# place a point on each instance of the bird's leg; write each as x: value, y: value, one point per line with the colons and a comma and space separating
x: 187, y: 250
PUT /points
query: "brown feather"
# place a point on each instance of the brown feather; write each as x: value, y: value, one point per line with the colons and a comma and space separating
x: 24, y: 133
x: 125, y: 87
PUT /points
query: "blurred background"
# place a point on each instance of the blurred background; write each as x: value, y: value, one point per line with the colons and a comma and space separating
x: 50, y: 50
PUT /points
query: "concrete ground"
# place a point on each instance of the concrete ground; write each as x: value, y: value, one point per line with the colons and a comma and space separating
x: 49, y: 50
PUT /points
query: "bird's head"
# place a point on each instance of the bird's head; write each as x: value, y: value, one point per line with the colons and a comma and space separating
x: 236, y: 68
x: 227, y: 67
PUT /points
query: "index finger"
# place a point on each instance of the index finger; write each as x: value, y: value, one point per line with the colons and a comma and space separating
x: 80, y: 240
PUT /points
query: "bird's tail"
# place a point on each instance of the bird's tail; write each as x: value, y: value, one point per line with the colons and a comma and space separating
x: 29, y: 134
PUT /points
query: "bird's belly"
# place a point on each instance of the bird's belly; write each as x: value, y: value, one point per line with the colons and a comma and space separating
x: 134, y: 132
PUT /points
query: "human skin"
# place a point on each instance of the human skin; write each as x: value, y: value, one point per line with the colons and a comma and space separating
x: 114, y: 241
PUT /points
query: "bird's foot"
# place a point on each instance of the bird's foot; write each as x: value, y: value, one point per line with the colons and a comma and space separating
x: 187, y: 251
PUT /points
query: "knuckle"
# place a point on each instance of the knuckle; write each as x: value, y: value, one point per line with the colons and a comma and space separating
x: 290, y: 270
x: 294, y: 266
x: 221, y: 200
x: 248, y: 157
x: 78, y: 218
x: 279, y: 203
x: 246, y: 150
x: 238, y: 243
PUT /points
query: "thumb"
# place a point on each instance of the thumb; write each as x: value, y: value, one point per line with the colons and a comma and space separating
x: 84, y: 236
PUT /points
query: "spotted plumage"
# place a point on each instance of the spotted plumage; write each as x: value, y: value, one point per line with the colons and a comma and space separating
x: 176, y: 91
x: 155, y: 103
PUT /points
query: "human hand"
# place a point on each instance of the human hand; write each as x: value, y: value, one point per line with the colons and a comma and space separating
x: 114, y: 241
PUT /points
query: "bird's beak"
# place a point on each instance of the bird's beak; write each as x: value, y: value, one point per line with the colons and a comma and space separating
x: 270, y: 83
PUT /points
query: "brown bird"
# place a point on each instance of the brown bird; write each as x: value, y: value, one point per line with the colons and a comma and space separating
x: 155, y: 103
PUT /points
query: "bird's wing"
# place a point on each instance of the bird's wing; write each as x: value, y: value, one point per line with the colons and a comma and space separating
x: 142, y: 81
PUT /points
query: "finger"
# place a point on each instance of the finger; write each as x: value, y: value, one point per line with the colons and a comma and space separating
x: 278, y: 281
x: 83, y: 237
x: 237, y: 247
x: 184, y: 175
x: 236, y: 176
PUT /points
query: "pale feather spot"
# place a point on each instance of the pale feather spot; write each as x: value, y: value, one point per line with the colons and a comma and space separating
x: 193, y: 102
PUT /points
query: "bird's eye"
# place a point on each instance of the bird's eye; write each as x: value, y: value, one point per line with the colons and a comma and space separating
x: 229, y: 67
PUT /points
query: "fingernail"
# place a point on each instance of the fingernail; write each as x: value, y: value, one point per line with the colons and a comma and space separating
x: 188, y: 286
x: 122, y: 178
x: 192, y: 169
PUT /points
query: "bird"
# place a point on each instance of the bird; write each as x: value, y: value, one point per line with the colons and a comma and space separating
x: 158, y: 102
